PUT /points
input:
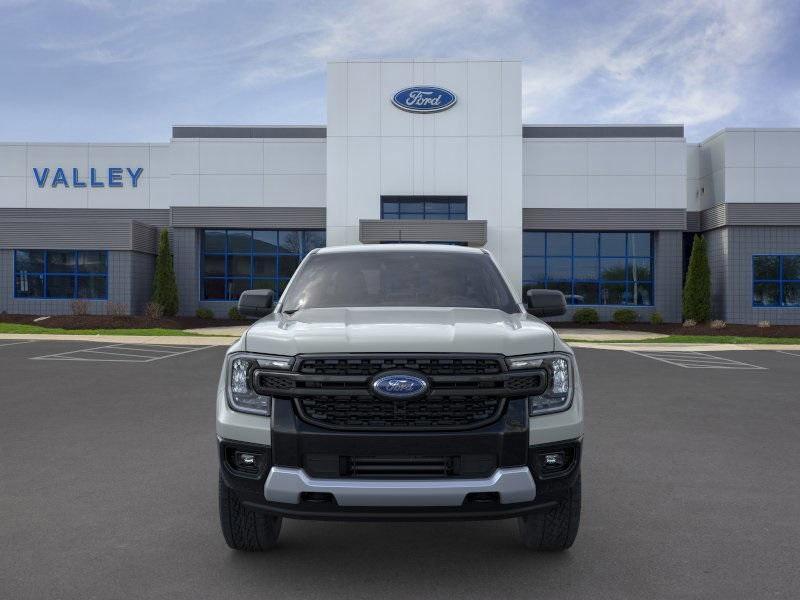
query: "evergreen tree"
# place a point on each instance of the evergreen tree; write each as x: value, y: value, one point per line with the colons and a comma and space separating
x: 697, y: 290
x: 165, y: 288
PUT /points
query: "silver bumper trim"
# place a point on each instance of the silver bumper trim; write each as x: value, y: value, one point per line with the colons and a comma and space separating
x: 513, y: 484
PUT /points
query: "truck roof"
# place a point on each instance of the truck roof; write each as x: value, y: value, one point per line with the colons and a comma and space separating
x: 399, y: 248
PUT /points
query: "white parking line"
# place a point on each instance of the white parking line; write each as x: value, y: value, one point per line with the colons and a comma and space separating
x: 788, y: 353
x: 130, y: 353
x: 3, y: 345
x: 698, y: 360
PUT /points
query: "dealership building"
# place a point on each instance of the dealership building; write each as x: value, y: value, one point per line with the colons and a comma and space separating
x: 413, y: 151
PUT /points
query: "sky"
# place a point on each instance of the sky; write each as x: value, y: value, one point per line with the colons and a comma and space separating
x: 126, y: 71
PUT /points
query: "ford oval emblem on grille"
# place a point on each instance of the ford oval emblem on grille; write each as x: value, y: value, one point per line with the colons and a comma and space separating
x: 399, y: 386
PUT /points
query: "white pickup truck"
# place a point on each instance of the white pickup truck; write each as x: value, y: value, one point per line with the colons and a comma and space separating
x: 400, y: 382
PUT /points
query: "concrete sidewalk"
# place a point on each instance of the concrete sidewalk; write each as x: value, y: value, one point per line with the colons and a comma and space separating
x: 154, y: 340
x: 233, y: 331
x: 606, y: 335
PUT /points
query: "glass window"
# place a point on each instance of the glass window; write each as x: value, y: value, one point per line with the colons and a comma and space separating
x: 235, y: 260
x: 776, y: 280
x: 591, y: 267
x: 65, y: 274
x: 424, y: 207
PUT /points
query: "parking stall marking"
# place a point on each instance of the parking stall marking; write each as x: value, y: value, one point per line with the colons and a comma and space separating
x: 698, y: 360
x: 788, y: 353
x: 9, y: 343
x: 130, y: 353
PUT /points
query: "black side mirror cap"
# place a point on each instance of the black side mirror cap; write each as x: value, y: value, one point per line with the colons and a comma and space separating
x: 546, y: 303
x: 256, y: 303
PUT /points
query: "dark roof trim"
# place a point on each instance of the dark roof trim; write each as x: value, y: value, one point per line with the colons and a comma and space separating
x: 602, y: 131
x: 200, y: 131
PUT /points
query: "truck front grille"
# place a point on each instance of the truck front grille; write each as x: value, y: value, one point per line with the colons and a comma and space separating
x: 466, y: 391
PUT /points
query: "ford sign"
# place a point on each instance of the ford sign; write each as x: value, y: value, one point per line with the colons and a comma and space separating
x: 399, y: 386
x: 424, y: 99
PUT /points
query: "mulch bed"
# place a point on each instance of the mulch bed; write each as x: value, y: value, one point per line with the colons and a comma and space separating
x: 120, y: 322
x: 774, y: 331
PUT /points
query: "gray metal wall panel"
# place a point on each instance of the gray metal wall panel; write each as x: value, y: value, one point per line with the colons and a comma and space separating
x: 713, y: 217
x: 151, y: 216
x: 186, y: 255
x: 144, y: 238
x: 66, y: 234
x: 605, y: 219
x: 373, y: 231
x: 256, y: 217
x: 762, y: 213
x: 602, y: 131
x: 313, y: 132
x: 693, y: 221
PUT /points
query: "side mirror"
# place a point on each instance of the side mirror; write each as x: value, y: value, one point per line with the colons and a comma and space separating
x: 546, y: 303
x: 256, y: 303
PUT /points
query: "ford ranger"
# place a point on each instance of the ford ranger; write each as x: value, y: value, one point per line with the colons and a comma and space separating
x: 399, y: 382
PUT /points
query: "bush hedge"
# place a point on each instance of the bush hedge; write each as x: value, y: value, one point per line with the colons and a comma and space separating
x: 624, y: 315
x: 585, y: 316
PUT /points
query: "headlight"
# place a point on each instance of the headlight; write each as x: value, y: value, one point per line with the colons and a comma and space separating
x: 558, y: 395
x: 241, y: 396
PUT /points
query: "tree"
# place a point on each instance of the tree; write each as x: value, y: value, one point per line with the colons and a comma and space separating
x: 697, y: 290
x: 165, y: 288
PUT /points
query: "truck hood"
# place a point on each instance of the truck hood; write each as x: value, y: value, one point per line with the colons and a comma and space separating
x: 341, y: 330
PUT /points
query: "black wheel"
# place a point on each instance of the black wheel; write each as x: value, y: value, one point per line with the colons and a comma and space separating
x: 554, y: 530
x: 245, y: 528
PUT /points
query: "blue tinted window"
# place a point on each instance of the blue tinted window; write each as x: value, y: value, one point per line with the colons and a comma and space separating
x: 424, y: 207
x: 65, y: 274
x: 236, y: 260
x: 776, y: 280
x: 591, y: 267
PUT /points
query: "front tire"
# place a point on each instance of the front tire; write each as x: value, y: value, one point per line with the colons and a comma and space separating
x: 554, y: 530
x: 244, y: 528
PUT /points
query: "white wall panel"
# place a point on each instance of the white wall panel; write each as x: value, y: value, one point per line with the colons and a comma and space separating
x: 363, y: 170
x: 363, y: 88
x: 60, y: 197
x: 670, y: 191
x: 160, y: 192
x: 510, y: 256
x: 184, y: 190
x: 739, y: 148
x: 777, y: 149
x: 184, y: 157
x: 511, y: 181
x: 12, y: 192
x: 555, y: 157
x: 621, y: 157
x: 511, y: 98
x: 739, y: 184
x: 291, y: 158
x: 124, y: 197
x: 337, y: 99
x: 294, y: 190
x: 231, y: 157
x: 394, y: 76
x: 336, y: 182
x: 230, y: 190
x: 555, y: 191
x: 621, y: 191
x: 484, y: 178
x: 482, y: 98
x: 13, y: 160
x: 451, y: 166
x: 452, y: 76
x: 778, y: 185
x: 670, y: 158
x: 159, y: 160
x: 429, y: 166
x: 396, y: 159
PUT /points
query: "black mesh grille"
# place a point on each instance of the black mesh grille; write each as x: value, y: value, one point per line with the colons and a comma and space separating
x: 372, y: 365
x: 359, y: 412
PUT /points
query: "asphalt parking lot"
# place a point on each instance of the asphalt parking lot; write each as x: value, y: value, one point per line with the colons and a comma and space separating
x: 691, y: 480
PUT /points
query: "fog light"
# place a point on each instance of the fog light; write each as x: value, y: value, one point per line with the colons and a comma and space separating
x: 246, y: 461
x: 554, y: 460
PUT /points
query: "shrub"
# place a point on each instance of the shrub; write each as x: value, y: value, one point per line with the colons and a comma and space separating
x: 690, y: 323
x: 233, y: 313
x: 585, y: 316
x: 204, y: 313
x: 697, y: 290
x: 656, y: 318
x: 717, y: 324
x: 153, y: 311
x: 165, y: 288
x: 116, y: 309
x: 764, y: 324
x: 79, y: 308
x: 624, y: 315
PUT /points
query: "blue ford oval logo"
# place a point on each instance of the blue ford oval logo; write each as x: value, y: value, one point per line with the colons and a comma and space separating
x: 424, y: 99
x: 399, y: 386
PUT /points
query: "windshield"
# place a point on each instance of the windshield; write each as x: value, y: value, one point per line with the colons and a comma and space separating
x: 360, y: 279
